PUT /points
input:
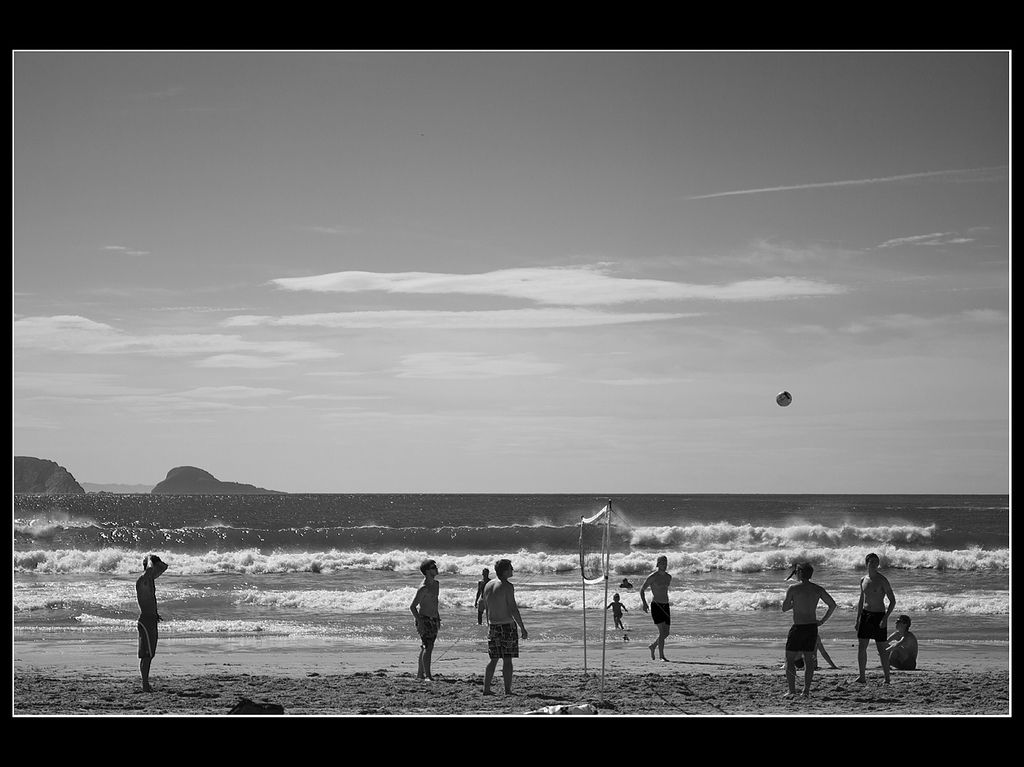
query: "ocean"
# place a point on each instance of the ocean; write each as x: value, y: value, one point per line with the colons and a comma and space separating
x: 337, y: 571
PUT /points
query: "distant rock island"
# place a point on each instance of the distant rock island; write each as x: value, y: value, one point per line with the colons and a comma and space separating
x: 188, y: 480
x: 38, y: 475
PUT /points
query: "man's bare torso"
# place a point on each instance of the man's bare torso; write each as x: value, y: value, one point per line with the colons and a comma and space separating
x: 873, y: 588
x: 658, y: 583
x: 499, y: 596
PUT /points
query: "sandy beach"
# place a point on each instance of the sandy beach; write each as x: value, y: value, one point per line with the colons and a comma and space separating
x: 68, y: 678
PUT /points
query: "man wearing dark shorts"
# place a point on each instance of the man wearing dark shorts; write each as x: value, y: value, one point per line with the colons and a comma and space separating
x: 658, y: 582
x: 145, y: 590
x: 873, y: 615
x: 802, y: 598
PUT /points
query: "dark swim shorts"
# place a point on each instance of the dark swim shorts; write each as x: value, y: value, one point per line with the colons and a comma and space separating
x: 502, y: 640
x: 871, y: 626
x: 427, y: 627
x: 147, y: 635
x: 803, y: 637
x: 660, y: 613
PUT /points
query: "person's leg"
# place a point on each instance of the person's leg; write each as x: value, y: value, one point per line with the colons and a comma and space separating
x: 824, y: 654
x: 506, y: 673
x: 791, y: 671
x: 884, y: 657
x: 808, y: 672
x: 428, y: 651
x: 489, y: 675
x: 144, y: 664
x: 862, y: 657
x: 662, y: 636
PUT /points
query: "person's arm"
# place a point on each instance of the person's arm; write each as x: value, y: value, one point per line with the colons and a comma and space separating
x: 415, y: 603
x: 787, y: 602
x: 513, y: 609
x: 643, y: 596
x: 860, y: 605
x: 479, y: 593
x: 626, y: 609
x: 828, y: 600
x: 892, y: 600
x: 157, y: 565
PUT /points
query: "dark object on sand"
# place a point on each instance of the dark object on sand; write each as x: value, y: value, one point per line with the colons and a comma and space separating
x: 246, y: 706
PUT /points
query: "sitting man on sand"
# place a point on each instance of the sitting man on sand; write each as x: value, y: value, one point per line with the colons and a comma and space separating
x: 428, y: 620
x: 502, y: 617
x: 145, y: 590
x: 802, y: 598
x: 658, y: 582
x: 902, y: 647
x: 872, y: 616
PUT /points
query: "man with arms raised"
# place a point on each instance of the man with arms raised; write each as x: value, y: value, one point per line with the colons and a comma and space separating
x: 658, y: 582
x: 873, y: 615
x: 802, y: 598
x: 502, y: 617
x: 145, y: 590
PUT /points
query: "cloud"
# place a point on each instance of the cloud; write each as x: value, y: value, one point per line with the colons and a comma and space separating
x: 334, y: 229
x: 471, y: 365
x: 125, y: 251
x: 936, y: 238
x: 229, y: 392
x: 73, y: 334
x: 897, y: 322
x: 508, y: 319
x: 970, y: 174
x: 565, y: 286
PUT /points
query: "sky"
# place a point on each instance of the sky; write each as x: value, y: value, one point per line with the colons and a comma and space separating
x: 522, y: 272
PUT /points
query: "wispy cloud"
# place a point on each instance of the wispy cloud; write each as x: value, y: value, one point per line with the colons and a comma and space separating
x: 936, y: 238
x: 230, y: 392
x: 970, y: 174
x: 471, y: 365
x: 898, y: 322
x: 509, y: 319
x: 331, y: 229
x: 122, y: 250
x: 73, y: 334
x: 564, y: 286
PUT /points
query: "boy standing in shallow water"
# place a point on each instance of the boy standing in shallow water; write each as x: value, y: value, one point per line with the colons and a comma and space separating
x: 617, y: 608
x: 502, y: 617
x: 428, y: 621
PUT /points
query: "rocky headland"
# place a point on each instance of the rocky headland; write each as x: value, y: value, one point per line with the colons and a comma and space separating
x: 39, y: 475
x: 189, y: 480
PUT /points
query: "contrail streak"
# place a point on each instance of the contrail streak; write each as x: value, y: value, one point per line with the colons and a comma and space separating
x: 852, y: 182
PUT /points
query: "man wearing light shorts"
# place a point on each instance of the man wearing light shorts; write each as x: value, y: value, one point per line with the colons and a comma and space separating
x: 502, y: 618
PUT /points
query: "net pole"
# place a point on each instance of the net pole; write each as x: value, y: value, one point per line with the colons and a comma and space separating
x: 607, y: 563
x: 583, y: 584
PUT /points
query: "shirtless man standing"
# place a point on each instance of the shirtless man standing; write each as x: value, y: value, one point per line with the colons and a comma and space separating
x: 872, y: 616
x: 802, y: 598
x: 145, y: 590
x: 502, y: 617
x: 428, y: 619
x: 658, y: 582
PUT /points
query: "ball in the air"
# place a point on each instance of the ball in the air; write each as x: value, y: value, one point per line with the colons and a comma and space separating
x: 784, y: 398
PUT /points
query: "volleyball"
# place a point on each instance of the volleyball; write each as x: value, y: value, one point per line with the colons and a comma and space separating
x: 784, y: 398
